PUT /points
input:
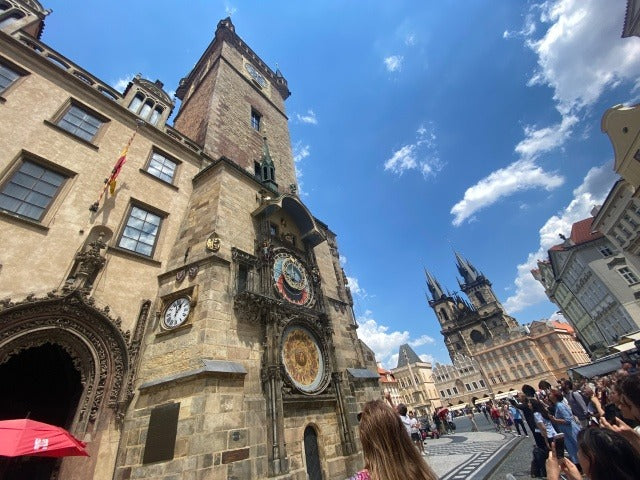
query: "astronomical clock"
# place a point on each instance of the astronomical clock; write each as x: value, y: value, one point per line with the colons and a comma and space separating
x: 303, y: 353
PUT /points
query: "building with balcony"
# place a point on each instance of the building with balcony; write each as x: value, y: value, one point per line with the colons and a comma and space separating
x: 416, y: 385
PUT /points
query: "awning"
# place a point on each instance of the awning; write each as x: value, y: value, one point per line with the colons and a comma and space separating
x: 623, y: 347
x: 483, y: 400
x: 599, y: 367
x: 510, y: 393
x: 458, y: 407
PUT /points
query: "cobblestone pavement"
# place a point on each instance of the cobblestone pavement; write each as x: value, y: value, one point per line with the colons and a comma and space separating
x: 517, y: 463
x: 468, y: 455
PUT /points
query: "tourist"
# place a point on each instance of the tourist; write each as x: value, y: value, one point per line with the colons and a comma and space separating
x: 387, y: 448
x: 564, y: 423
x: 543, y: 423
x: 474, y: 425
x: 508, y: 419
x: 593, y: 406
x: 517, y: 419
x: 602, y: 454
x: 629, y: 402
x: 576, y: 402
x: 401, y: 410
x: 494, y: 412
x: 416, y: 437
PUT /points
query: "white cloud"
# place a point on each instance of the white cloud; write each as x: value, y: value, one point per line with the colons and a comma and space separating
x: 309, y: 117
x: 394, y: 63
x: 425, y: 357
x: 579, y: 54
x: 300, y: 152
x: 422, y: 155
x: 410, y: 39
x: 591, y: 192
x: 122, y: 83
x: 355, y: 287
x: 383, y: 342
x: 520, y: 175
x: 423, y: 340
x: 540, y: 140
x: 343, y: 260
x: 230, y: 10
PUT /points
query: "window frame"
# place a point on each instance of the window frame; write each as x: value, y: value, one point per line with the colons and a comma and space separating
x: 71, y: 103
x: 629, y: 273
x: 19, y: 71
x: 256, y: 120
x: 133, y: 203
x: 166, y: 156
x: 55, y: 200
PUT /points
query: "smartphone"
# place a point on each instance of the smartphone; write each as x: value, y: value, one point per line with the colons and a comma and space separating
x: 558, y: 440
x: 610, y: 416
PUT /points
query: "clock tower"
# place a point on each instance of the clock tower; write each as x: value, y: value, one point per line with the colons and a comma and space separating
x: 254, y: 351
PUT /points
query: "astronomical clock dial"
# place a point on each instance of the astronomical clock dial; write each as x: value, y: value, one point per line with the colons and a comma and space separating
x: 176, y: 313
x: 291, y: 279
x: 302, y: 359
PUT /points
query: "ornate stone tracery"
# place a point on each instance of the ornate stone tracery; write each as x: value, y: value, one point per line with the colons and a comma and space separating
x: 94, y: 341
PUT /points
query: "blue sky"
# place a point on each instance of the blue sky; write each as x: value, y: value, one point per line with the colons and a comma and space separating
x: 418, y: 127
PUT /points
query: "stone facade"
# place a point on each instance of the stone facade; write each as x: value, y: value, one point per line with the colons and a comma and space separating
x: 415, y: 383
x: 595, y: 283
x: 200, y: 301
x: 460, y: 382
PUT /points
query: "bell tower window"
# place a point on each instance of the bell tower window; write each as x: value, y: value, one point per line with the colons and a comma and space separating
x: 480, y: 298
x: 146, y: 108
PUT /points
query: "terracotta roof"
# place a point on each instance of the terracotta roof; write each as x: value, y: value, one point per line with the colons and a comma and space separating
x: 562, y: 326
x: 581, y: 232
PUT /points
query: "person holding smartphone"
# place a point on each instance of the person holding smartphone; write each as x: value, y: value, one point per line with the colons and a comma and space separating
x: 603, y: 455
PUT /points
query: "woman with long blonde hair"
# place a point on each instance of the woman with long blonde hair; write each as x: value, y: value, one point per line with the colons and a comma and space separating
x: 388, y: 451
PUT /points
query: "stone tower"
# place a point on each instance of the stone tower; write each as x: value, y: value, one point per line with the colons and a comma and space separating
x: 467, y: 324
x: 255, y: 339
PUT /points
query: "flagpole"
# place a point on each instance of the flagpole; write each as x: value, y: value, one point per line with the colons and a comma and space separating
x: 110, y: 180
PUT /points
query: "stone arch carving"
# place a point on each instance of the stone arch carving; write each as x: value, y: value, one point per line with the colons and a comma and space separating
x: 94, y: 341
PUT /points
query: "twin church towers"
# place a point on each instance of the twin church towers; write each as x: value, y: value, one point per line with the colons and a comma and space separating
x: 468, y: 323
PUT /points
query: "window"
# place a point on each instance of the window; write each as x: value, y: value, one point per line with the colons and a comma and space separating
x: 162, y: 167
x: 468, y: 387
x: 442, y: 393
x: 475, y: 385
x: 273, y: 230
x: 448, y: 392
x: 80, y: 123
x: 7, y: 77
x: 482, y: 383
x: 10, y: 19
x: 30, y: 190
x: 455, y: 390
x: 255, y: 120
x: 141, y: 231
x: 628, y: 275
x: 480, y: 298
x: 243, y: 277
x: 146, y: 108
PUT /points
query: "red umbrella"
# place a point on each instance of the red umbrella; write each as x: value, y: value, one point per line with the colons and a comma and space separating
x: 28, y: 437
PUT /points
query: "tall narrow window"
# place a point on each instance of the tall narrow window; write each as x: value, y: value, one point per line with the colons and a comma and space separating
x: 81, y: 123
x: 255, y: 120
x: 155, y: 115
x: 7, y: 77
x: 141, y: 231
x: 480, y: 298
x: 243, y: 277
x: 134, y: 106
x: 30, y: 190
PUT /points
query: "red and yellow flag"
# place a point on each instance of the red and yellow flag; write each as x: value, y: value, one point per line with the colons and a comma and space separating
x: 116, y: 170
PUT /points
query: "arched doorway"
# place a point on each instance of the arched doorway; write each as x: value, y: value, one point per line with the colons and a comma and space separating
x: 312, y: 454
x: 45, y: 386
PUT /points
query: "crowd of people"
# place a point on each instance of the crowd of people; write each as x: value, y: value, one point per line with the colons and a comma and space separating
x: 590, y: 430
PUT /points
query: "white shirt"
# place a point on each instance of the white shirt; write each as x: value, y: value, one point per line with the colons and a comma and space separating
x: 415, y: 425
x: 551, y: 432
x: 406, y: 421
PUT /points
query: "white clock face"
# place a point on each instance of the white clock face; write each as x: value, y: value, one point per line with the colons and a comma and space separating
x: 176, y: 313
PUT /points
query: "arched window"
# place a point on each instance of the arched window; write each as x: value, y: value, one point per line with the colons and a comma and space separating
x: 480, y: 298
x: 444, y: 315
x: 134, y: 106
x: 146, y: 109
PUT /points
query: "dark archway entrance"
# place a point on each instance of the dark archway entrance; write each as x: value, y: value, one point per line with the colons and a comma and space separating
x: 312, y: 455
x: 40, y: 383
